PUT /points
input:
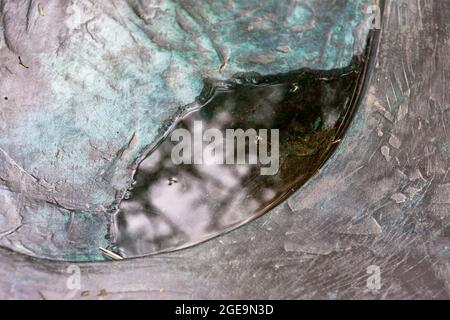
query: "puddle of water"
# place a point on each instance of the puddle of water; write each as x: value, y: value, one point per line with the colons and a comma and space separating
x: 174, y: 206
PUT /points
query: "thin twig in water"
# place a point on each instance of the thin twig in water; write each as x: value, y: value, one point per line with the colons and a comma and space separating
x: 336, y: 141
x: 110, y: 254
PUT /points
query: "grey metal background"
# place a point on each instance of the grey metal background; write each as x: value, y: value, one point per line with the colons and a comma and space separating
x: 382, y: 199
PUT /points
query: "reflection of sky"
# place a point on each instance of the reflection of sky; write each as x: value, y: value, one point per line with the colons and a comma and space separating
x: 173, y: 206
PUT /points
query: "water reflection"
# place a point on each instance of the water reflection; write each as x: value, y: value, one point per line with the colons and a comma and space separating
x: 174, y: 206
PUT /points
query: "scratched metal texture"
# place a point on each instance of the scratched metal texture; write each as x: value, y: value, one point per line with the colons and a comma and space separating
x: 382, y: 199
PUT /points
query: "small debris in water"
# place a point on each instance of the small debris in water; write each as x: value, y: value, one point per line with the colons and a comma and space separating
x: 41, y: 10
x: 22, y: 64
x: 284, y: 49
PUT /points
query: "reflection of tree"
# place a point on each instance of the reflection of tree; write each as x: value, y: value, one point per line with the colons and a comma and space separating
x: 218, y: 197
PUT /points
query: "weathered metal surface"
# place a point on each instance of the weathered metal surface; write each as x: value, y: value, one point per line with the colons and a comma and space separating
x: 383, y: 199
x: 88, y: 86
